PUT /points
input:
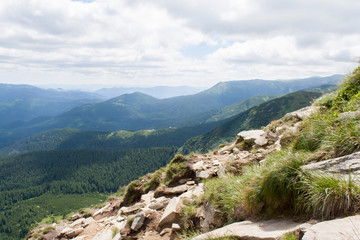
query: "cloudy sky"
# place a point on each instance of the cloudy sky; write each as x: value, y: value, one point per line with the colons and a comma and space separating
x: 168, y: 42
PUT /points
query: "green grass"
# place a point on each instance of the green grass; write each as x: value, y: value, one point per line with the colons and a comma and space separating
x: 326, y: 196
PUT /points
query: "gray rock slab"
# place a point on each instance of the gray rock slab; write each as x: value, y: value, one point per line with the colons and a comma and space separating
x: 171, y: 213
x: 338, y: 229
x: 342, y: 165
x: 271, y: 229
x: 138, y: 221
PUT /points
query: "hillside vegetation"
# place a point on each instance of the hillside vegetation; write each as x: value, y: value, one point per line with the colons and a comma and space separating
x: 253, y: 118
x: 67, y: 172
x: 280, y: 186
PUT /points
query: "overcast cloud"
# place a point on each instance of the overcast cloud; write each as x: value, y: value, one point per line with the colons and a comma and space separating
x: 163, y: 42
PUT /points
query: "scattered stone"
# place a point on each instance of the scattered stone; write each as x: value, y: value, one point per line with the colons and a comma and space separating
x: 236, y: 150
x: 102, y: 210
x: 270, y: 229
x: 165, y: 231
x: 117, y: 237
x: 75, y: 216
x: 159, y: 203
x: 198, y: 165
x: 171, y: 213
x: 146, y: 198
x: 204, y: 174
x: 87, y: 222
x: 105, y: 234
x: 165, y: 191
x: 133, y: 208
x: 70, y: 232
x: 120, y: 218
x: 190, y: 183
x: 138, y: 221
x: 78, y: 222
x: 338, y: 229
x: 209, y: 217
x: 175, y: 227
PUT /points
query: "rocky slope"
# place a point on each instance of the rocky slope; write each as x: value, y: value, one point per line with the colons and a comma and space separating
x: 151, y: 210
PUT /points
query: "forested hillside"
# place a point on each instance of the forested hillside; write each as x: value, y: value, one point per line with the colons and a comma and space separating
x: 253, y: 118
x: 67, y: 172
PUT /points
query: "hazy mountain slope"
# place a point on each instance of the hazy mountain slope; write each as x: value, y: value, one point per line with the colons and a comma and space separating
x: 25, y: 102
x: 139, y: 111
x: 255, y: 117
x: 158, y: 92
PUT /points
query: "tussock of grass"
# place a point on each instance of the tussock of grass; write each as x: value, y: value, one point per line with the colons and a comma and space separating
x: 224, y: 193
x: 327, y: 196
x: 176, y: 169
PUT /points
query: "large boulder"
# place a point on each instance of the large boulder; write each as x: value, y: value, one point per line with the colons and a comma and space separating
x: 171, y: 214
x: 338, y: 229
x: 253, y: 136
x: 303, y: 113
x: 341, y: 165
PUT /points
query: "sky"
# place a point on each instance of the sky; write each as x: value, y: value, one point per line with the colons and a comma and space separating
x: 173, y: 43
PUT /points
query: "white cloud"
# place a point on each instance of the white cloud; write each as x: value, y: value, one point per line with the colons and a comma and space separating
x: 141, y: 42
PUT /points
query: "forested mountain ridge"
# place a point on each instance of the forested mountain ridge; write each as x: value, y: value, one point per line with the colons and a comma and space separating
x: 139, y: 111
x: 25, y: 102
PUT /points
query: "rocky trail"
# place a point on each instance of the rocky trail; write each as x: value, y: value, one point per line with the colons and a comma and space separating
x: 155, y: 215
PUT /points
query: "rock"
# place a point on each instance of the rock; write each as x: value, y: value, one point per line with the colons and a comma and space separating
x: 210, y: 217
x: 166, y: 191
x: 70, y: 232
x: 87, y: 222
x: 117, y: 237
x: 221, y: 171
x: 303, y: 112
x: 133, y: 208
x: 175, y: 227
x: 146, y: 198
x: 253, y: 136
x: 102, y: 210
x: 159, y: 203
x: 78, y: 222
x: 204, y: 174
x: 342, y: 165
x: 198, y: 165
x: 271, y: 229
x: 261, y: 141
x: 236, y: 150
x: 75, y: 216
x: 105, y: 234
x: 197, y: 191
x: 345, y: 115
x: 216, y: 163
x: 165, y: 231
x: 138, y: 221
x: 338, y: 229
x: 190, y: 183
x: 171, y: 213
